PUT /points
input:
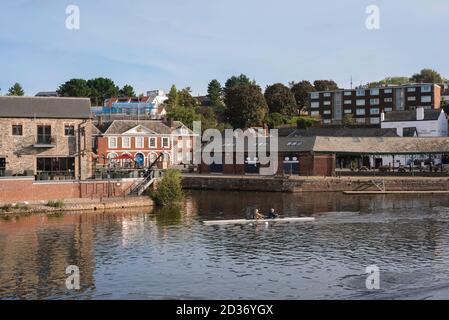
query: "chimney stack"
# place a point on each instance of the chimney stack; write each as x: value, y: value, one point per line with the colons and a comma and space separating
x: 419, y: 113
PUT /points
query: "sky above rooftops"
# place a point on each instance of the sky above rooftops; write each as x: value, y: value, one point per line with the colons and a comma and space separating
x: 153, y: 44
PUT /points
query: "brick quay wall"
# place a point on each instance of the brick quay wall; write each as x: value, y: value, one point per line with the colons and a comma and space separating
x: 309, y: 184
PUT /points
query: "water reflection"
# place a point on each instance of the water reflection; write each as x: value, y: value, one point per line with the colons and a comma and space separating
x: 169, y: 253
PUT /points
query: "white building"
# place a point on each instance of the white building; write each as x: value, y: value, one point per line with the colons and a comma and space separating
x: 157, y: 98
x: 419, y: 122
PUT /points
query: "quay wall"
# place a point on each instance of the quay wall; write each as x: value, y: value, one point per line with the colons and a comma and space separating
x: 27, y: 189
x: 308, y: 184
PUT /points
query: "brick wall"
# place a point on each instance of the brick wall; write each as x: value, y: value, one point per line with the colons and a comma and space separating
x: 26, y: 189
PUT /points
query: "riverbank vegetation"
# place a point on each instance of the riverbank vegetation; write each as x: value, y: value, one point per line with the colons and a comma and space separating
x: 169, y: 190
x: 55, y: 204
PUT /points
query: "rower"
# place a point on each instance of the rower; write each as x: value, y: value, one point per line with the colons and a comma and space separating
x: 258, y: 215
x: 272, y: 214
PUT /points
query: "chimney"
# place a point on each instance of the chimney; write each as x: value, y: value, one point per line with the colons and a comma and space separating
x: 419, y: 113
x: 170, y: 122
x: 382, y: 116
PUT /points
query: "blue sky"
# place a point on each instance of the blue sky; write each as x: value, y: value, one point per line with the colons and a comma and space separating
x: 153, y: 44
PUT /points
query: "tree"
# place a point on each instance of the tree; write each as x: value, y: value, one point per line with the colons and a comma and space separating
x: 275, y: 120
x: 173, y: 98
x: 301, y: 92
x: 169, y: 189
x: 102, y: 89
x: 215, y: 93
x: 186, y: 100
x: 348, y: 120
x: 389, y: 81
x: 246, y: 106
x: 185, y: 115
x: 280, y: 99
x: 16, y: 90
x: 325, y: 85
x: 127, y: 91
x: 427, y: 76
x: 237, y: 81
x: 74, y: 88
x: 305, y: 122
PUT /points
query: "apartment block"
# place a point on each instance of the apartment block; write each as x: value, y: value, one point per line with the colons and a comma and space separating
x: 366, y: 104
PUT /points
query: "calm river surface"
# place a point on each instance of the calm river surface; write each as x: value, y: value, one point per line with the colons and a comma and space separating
x: 138, y: 254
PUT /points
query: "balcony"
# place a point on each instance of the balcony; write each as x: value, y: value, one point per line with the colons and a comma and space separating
x: 45, y: 141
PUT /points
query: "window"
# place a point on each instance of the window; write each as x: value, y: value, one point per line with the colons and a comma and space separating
x: 139, y: 142
x: 165, y: 142
x: 388, y: 91
x: 374, y: 111
x: 326, y: 112
x: 56, y: 165
x: 374, y: 92
x: 314, y: 95
x: 44, y: 134
x: 411, y: 98
x: 152, y: 142
x: 112, y: 142
x: 314, y: 113
x: 16, y: 129
x: 360, y: 102
x: 69, y: 130
x: 426, y: 99
x: 348, y: 111
x: 388, y: 109
x: 375, y: 120
x: 347, y: 93
x: 326, y: 103
x: 360, y: 112
x: 388, y: 99
x: 412, y: 89
x: 315, y: 104
x: 360, y: 120
x: 126, y: 142
x: 348, y: 101
x: 326, y: 121
x: 360, y: 92
x: 374, y: 101
x: 426, y: 88
x: 326, y: 94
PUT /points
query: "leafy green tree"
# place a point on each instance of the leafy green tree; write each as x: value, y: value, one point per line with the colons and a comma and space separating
x: 280, y: 99
x: 16, y: 90
x: 427, y: 76
x: 74, y: 88
x: 305, y: 122
x: 275, y: 120
x: 208, y: 119
x: 301, y: 92
x: 185, y: 115
x: 237, y: 81
x: 389, y: 81
x: 173, y: 98
x: 186, y: 100
x: 325, y: 85
x: 169, y: 189
x: 246, y: 106
x: 102, y: 89
x: 215, y: 93
x: 127, y: 91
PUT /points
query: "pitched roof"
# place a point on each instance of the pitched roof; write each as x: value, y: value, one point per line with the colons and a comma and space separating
x: 344, y: 132
x: 121, y: 126
x: 410, y: 115
x: 45, y: 107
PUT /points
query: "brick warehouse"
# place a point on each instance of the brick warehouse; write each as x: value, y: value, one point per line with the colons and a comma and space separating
x: 45, y: 137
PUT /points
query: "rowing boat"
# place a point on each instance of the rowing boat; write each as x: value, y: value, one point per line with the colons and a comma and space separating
x: 242, y: 221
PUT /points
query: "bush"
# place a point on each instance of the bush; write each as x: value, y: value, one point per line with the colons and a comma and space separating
x: 169, y: 190
x: 305, y: 122
x: 6, y: 207
x: 55, y: 204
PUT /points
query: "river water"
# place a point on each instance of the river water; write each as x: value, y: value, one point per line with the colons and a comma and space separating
x: 170, y: 254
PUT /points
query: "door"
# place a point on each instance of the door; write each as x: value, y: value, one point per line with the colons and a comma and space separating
x: 2, y: 166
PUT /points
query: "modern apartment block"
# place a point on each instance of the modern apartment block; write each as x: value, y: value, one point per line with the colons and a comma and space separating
x: 366, y: 104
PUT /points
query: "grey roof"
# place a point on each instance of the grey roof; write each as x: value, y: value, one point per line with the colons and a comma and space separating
x: 410, y: 115
x: 381, y: 145
x: 344, y: 132
x: 47, y: 94
x: 121, y: 126
x: 44, y: 107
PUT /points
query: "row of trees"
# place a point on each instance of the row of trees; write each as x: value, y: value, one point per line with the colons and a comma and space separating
x: 424, y: 76
x: 15, y: 90
x: 98, y: 89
